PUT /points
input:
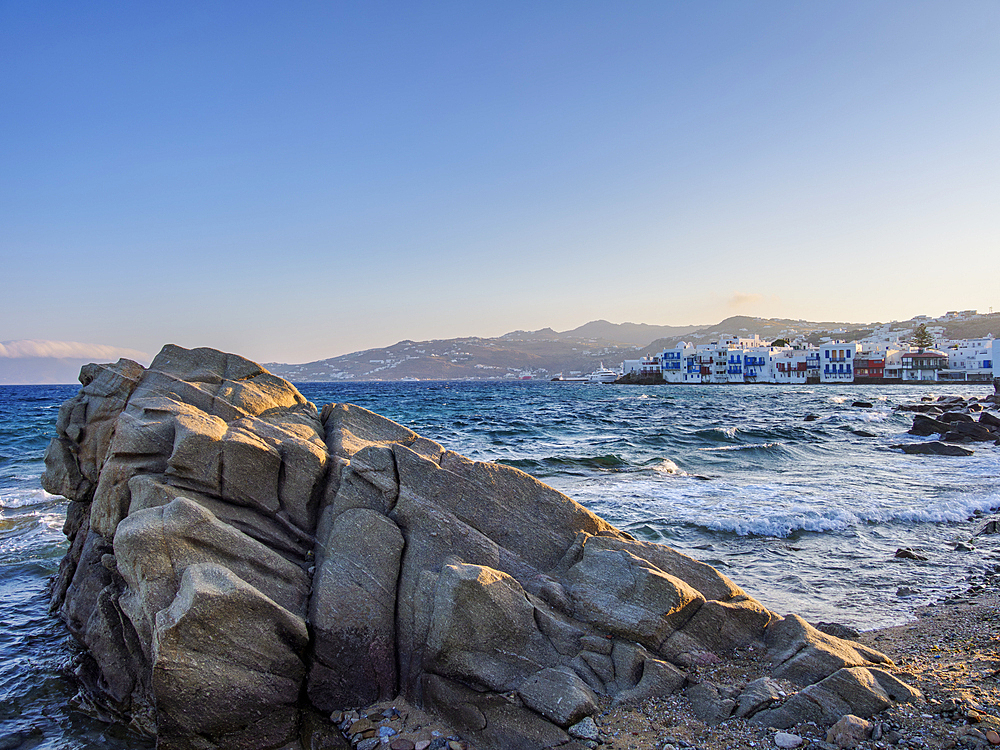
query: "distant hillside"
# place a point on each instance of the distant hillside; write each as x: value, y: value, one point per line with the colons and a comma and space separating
x: 546, y: 353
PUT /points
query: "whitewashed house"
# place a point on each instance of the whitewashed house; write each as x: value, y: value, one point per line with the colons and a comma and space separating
x: 793, y: 366
x: 676, y: 364
x: 969, y: 360
x: 836, y: 361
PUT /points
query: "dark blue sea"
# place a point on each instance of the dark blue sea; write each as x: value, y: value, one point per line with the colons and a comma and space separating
x: 805, y: 516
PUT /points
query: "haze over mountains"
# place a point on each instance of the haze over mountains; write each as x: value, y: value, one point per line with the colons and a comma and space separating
x: 544, y: 353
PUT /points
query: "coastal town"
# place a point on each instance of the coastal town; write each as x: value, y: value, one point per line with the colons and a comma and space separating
x: 871, y: 360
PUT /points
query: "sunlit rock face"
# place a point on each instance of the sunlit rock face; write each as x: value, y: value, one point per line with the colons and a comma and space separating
x: 239, y: 559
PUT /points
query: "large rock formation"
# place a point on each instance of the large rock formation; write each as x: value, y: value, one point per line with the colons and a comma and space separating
x: 239, y: 560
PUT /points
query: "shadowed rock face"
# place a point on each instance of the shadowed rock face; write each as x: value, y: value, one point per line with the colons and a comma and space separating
x: 238, y: 558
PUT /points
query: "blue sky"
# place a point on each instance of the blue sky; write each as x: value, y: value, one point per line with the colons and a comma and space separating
x: 293, y: 181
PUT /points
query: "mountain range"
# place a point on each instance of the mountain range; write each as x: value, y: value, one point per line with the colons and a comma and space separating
x: 544, y: 353
x: 547, y: 353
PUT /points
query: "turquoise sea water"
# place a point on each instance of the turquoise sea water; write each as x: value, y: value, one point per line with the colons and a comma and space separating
x: 805, y: 516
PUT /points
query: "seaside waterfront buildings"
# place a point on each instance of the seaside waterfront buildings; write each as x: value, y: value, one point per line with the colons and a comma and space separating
x: 751, y: 360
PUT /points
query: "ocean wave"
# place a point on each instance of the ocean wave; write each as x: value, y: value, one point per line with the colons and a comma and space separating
x: 606, y: 462
x: 767, y: 447
x: 866, y: 416
x: 27, y: 499
x: 719, y: 433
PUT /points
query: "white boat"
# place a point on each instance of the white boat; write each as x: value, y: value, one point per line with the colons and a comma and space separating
x: 603, y: 375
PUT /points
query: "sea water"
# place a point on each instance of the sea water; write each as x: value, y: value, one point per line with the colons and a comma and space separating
x: 804, y: 515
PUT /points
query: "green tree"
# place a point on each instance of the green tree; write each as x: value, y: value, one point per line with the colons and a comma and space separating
x: 780, y: 342
x: 922, y: 338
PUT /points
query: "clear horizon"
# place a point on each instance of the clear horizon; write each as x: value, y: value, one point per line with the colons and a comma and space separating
x: 300, y: 182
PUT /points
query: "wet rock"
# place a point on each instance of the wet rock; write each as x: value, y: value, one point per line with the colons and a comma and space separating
x: 990, y: 527
x: 990, y: 420
x: 925, y: 426
x: 905, y: 553
x: 863, y: 404
x: 934, y: 448
x: 951, y: 417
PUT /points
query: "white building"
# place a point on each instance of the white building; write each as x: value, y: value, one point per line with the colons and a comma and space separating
x: 970, y: 360
x: 793, y: 366
x: 678, y: 364
x: 644, y: 366
x: 836, y: 361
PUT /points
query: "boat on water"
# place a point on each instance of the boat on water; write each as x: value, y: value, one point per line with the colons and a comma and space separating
x: 603, y: 375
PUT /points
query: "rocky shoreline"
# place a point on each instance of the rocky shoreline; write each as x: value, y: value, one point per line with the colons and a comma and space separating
x: 246, y: 570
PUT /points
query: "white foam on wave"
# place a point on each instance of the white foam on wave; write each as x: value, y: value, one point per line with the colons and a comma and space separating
x: 745, y: 447
x: 775, y: 509
x: 729, y: 432
x: 866, y: 416
x: 26, y: 498
x: 666, y: 466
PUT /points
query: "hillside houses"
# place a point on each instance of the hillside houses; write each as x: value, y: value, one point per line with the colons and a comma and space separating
x: 751, y: 360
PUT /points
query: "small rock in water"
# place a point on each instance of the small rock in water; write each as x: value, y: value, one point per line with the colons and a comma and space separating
x: 908, y: 554
x: 990, y: 527
x: 401, y: 743
x: 906, y: 591
x: 963, y: 547
x: 993, y: 737
x: 787, y: 740
x: 811, y: 418
x: 863, y: 404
